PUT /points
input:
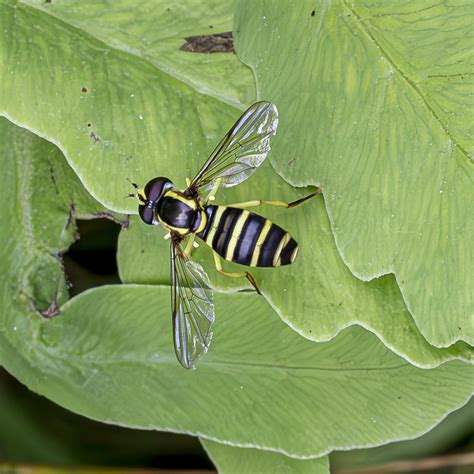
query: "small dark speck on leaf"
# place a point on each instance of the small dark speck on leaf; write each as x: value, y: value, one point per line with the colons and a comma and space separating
x: 216, y: 43
x: 210, y: 26
x: 290, y: 162
x: 127, y: 156
x: 142, y: 251
x: 47, y: 1
x: 313, y: 13
x: 89, y: 124
x: 399, y: 397
x: 53, y: 178
x: 84, y: 89
x: 95, y: 137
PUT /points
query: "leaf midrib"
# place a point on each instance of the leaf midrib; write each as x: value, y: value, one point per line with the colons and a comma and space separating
x: 244, y: 365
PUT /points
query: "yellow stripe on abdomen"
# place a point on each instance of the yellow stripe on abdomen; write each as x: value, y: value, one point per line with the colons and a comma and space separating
x: 215, y: 223
x: 236, y: 235
x: 277, y: 257
x: 261, y: 238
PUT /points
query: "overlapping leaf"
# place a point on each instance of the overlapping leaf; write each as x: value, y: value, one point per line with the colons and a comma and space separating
x: 113, y: 113
x: 317, y: 295
x: 106, y: 140
x: 78, y: 92
x: 109, y: 354
x: 157, y: 36
x: 375, y: 103
x: 230, y: 460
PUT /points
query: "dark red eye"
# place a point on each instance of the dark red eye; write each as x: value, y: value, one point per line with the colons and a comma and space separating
x: 146, y: 213
x: 154, y: 188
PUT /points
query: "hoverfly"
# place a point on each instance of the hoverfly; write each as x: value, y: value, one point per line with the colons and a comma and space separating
x: 230, y: 231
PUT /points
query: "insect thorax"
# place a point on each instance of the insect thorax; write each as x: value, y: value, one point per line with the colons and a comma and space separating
x: 179, y: 213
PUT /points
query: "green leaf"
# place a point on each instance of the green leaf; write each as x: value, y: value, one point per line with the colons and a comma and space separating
x: 374, y: 99
x: 230, y: 460
x: 317, y: 295
x: 446, y: 437
x: 109, y: 354
x: 349, y: 392
x: 112, y: 111
x: 155, y: 31
x: 174, y: 139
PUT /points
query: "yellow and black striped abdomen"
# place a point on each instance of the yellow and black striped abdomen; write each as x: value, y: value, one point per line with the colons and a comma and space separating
x: 247, y: 238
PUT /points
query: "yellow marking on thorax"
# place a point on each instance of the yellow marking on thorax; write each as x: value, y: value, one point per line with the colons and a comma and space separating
x: 236, y: 235
x: 215, y: 224
x: 170, y: 228
x: 261, y: 238
x: 277, y: 257
x: 176, y: 195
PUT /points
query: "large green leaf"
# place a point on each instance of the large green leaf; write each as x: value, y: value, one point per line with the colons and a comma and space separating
x: 109, y: 355
x: 317, y: 295
x: 375, y: 101
x: 177, y: 132
x: 445, y: 437
x: 155, y: 31
x: 230, y: 460
x: 58, y: 357
x: 94, y: 365
x: 114, y: 113
x: 242, y: 390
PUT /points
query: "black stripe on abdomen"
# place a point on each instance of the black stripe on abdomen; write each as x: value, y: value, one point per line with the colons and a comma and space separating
x: 270, y: 246
x: 288, y: 252
x: 248, y: 239
x: 224, y: 230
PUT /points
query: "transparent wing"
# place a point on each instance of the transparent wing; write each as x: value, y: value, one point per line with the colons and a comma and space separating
x: 242, y: 150
x: 192, y: 307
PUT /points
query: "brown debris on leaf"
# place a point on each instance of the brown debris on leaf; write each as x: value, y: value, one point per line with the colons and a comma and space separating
x: 217, y: 43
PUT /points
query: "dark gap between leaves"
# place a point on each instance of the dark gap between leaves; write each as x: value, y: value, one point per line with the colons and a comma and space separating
x: 92, y: 260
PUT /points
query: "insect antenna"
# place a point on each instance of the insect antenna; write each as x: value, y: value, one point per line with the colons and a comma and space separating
x: 139, y: 195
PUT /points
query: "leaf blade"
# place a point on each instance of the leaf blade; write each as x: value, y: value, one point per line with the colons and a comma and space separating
x: 397, y: 172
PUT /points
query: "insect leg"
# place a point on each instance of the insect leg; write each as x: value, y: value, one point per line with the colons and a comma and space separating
x: 189, y: 246
x: 217, y: 261
x: 212, y: 193
x: 286, y: 205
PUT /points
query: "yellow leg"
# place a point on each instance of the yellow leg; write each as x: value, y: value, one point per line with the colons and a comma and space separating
x: 212, y: 193
x: 217, y: 261
x: 287, y: 205
x: 189, y: 246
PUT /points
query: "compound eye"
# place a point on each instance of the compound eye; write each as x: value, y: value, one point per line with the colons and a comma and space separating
x: 154, y: 188
x: 147, y: 214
